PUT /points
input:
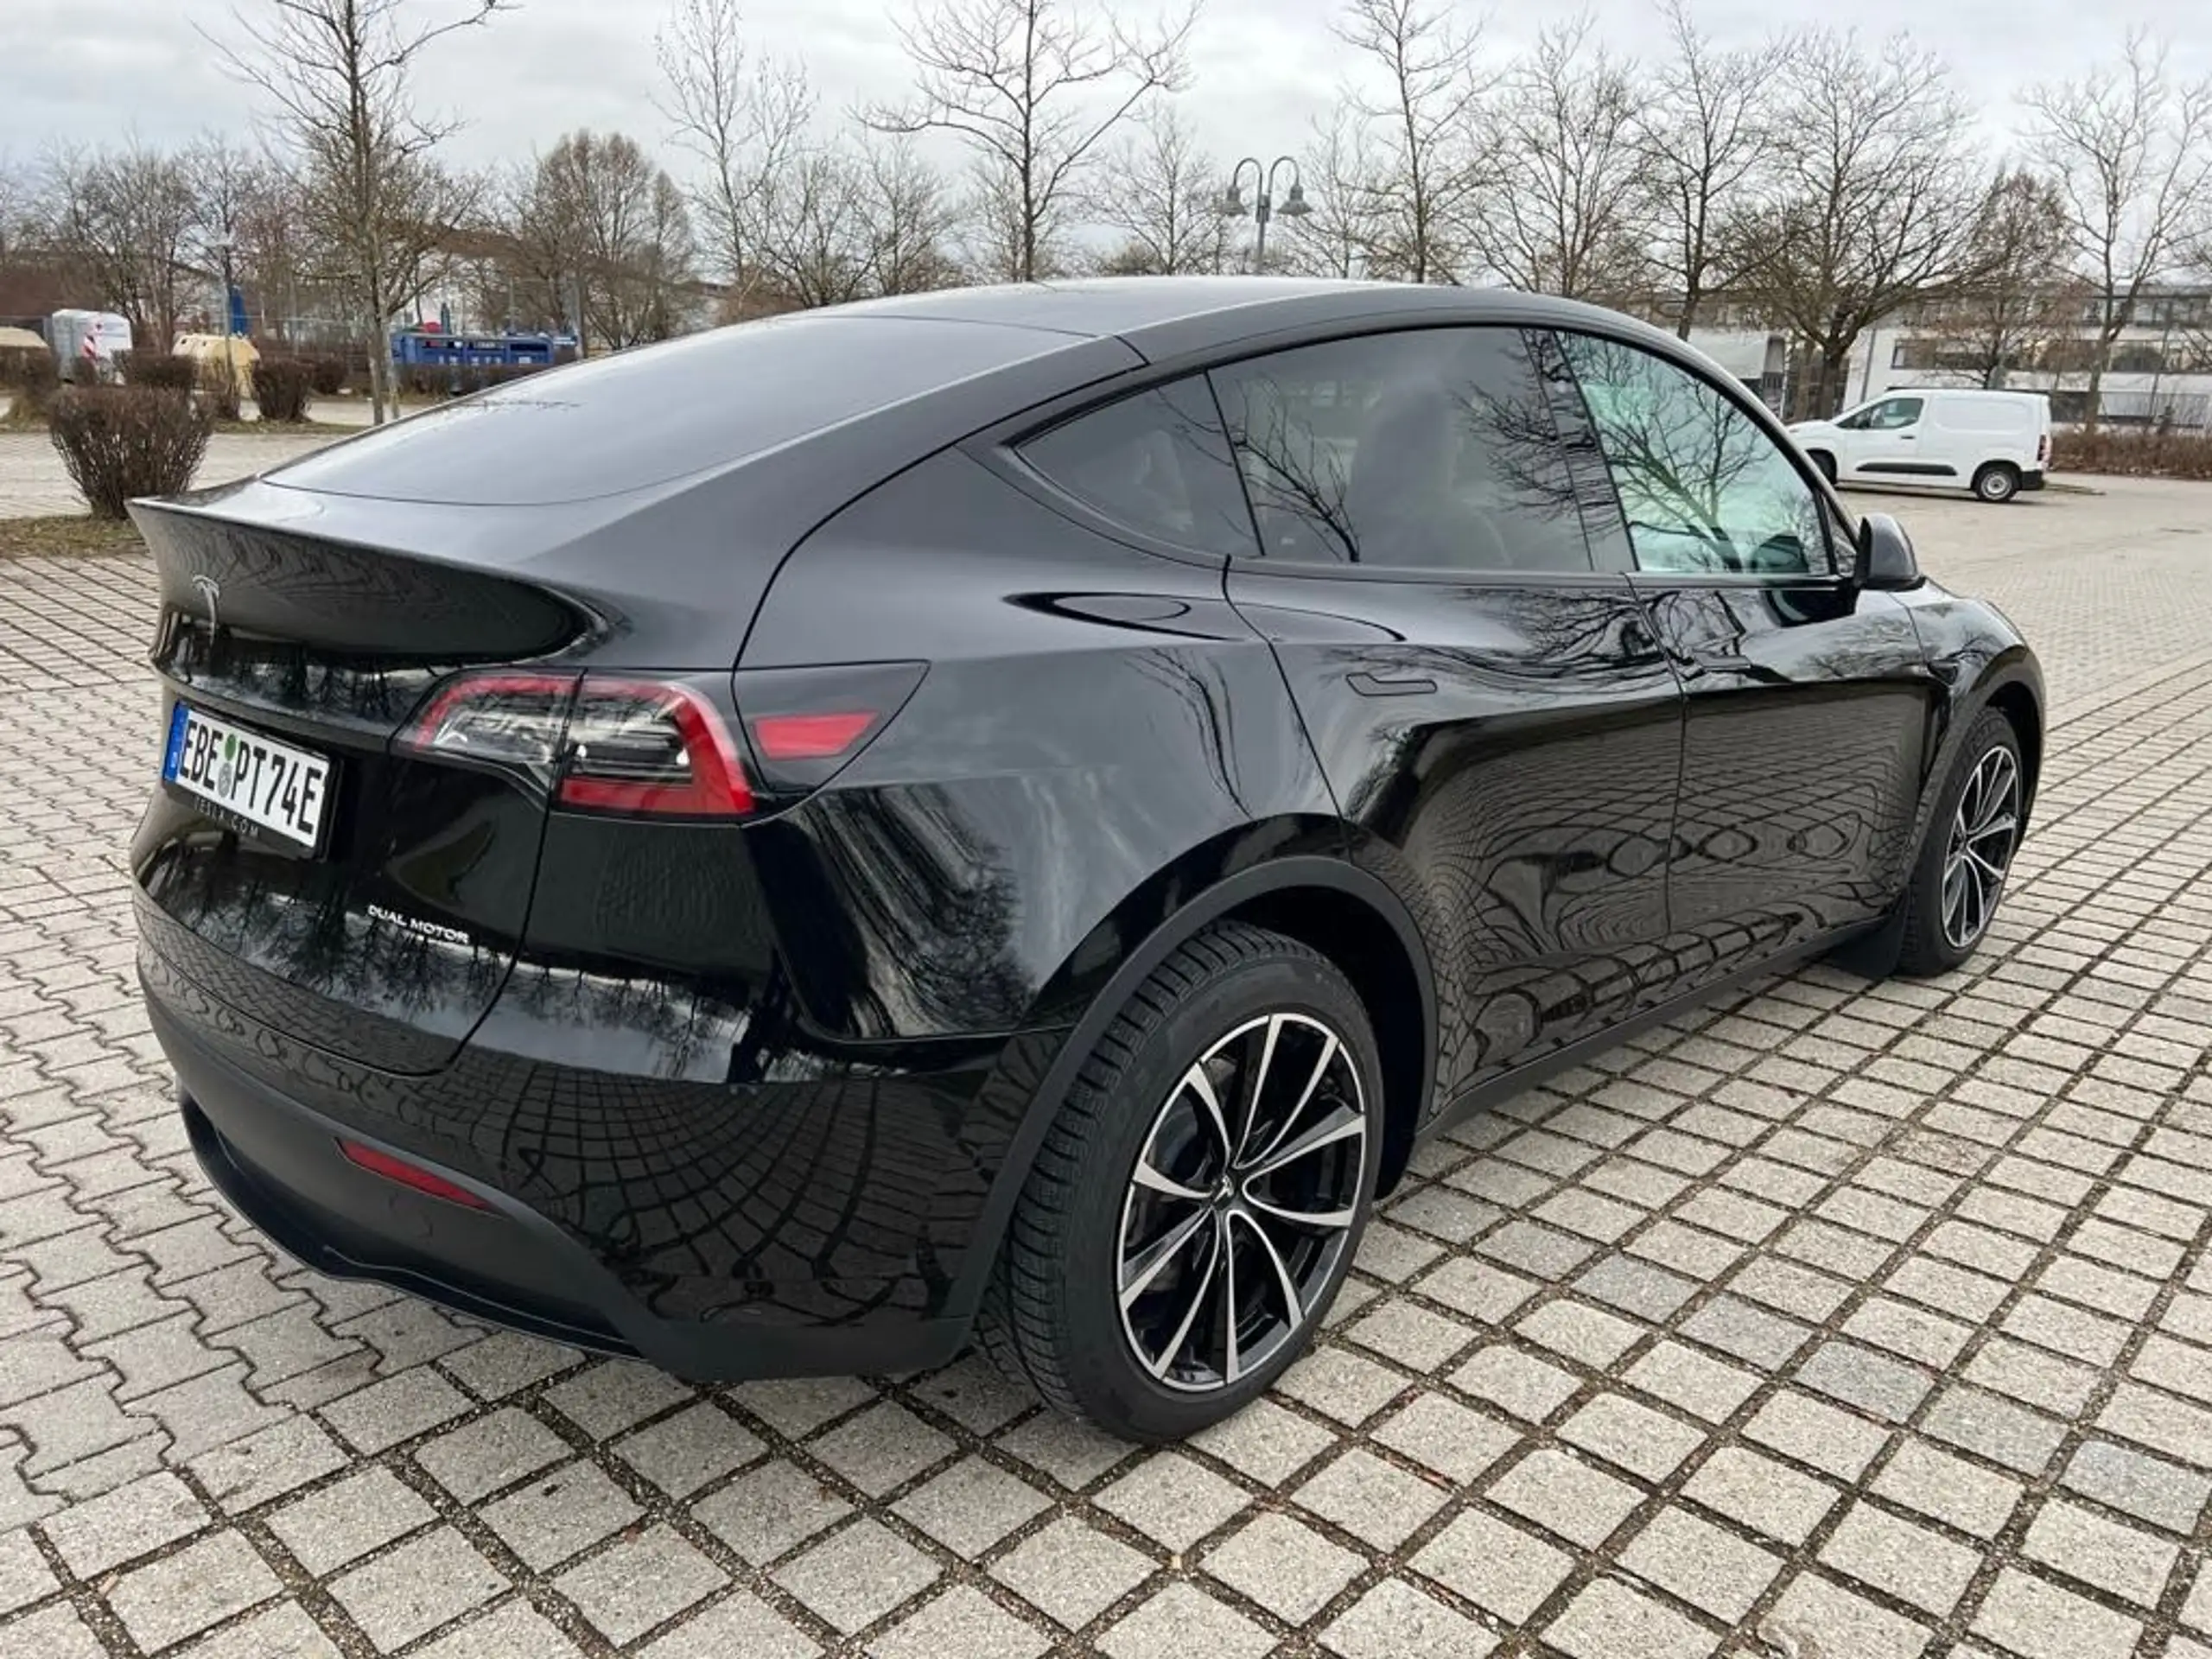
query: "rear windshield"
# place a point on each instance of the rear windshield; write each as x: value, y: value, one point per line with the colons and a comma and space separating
x: 614, y: 423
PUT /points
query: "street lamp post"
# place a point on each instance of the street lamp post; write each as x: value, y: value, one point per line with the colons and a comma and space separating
x: 1295, y: 204
x: 223, y: 247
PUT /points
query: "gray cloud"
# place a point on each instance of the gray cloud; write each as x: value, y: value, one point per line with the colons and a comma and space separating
x: 91, y: 71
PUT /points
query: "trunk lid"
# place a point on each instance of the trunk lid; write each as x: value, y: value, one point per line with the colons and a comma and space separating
x: 388, y: 942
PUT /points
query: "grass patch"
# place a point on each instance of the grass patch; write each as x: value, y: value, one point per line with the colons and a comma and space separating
x: 66, y: 533
x: 308, y: 427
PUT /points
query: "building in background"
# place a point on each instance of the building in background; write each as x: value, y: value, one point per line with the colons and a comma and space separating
x: 2160, y: 371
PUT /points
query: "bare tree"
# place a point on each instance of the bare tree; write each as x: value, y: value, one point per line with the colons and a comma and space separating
x: 600, y: 219
x: 744, y: 119
x: 1346, y: 189
x: 2130, y: 149
x: 2018, y: 295
x: 1878, y: 197
x: 18, y: 193
x: 277, y: 259
x: 1558, y: 212
x: 1033, y: 89
x: 1163, y: 195
x: 338, y: 72
x: 125, y: 218
x: 1701, y: 133
x: 226, y: 178
x: 811, y: 240
x: 835, y: 224
x: 911, y: 218
x: 1427, y: 160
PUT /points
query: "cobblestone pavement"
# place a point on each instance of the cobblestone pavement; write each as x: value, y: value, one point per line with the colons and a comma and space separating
x: 1840, y: 1321
x: 33, y: 482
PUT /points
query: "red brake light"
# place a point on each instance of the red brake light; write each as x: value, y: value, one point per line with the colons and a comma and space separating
x: 393, y: 1169
x: 653, y: 747
x: 809, y: 737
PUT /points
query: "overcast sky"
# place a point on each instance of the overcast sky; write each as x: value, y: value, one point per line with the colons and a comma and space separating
x: 95, y: 70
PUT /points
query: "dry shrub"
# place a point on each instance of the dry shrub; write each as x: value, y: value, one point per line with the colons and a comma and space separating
x: 283, y: 386
x: 157, y: 371
x: 121, y: 442
x: 218, y: 383
x: 31, y: 377
x: 2140, y: 452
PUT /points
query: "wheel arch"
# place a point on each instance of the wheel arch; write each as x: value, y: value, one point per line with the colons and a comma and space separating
x: 1318, y: 898
x: 2010, y: 681
x: 2016, y: 701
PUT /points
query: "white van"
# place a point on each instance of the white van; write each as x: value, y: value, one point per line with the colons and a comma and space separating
x: 1995, y: 443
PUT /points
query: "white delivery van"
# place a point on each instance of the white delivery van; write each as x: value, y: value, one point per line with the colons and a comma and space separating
x: 1995, y: 443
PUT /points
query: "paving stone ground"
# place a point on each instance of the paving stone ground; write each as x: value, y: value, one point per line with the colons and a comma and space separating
x: 1836, y: 1321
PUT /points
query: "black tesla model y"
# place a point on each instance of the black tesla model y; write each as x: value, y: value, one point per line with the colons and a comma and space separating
x: 1008, y: 813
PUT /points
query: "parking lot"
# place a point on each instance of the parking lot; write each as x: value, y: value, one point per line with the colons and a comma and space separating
x: 1837, y: 1321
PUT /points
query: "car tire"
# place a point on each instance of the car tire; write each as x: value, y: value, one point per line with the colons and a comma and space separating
x: 1954, y: 896
x: 1997, y: 482
x: 1234, y: 1004
x: 1824, y: 464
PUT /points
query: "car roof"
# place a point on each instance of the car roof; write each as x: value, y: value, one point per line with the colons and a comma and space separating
x: 1168, y: 316
x: 1965, y: 392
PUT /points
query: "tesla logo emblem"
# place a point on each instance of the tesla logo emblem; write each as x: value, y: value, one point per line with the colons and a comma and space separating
x: 212, y: 591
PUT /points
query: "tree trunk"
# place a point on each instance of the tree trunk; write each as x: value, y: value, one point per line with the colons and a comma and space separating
x: 1835, y: 368
x: 2097, y: 361
x: 388, y: 404
x: 1688, y: 319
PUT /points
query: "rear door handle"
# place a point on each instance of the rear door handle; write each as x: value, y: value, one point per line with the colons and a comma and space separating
x: 1376, y: 685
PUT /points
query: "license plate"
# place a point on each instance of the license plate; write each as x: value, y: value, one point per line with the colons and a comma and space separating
x: 248, y: 774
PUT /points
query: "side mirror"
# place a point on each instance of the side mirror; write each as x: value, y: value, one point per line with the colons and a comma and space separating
x: 1885, y: 557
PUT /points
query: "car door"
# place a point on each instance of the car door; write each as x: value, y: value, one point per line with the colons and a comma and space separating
x: 1809, y: 702
x: 1885, y: 440
x: 1491, y: 710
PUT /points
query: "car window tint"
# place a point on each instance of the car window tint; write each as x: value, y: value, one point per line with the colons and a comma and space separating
x: 1429, y: 449
x: 1703, y: 487
x: 1157, y: 462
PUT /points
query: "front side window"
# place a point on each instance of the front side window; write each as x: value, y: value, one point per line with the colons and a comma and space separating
x: 1156, y: 462
x: 1428, y: 450
x: 1703, y: 487
x: 1891, y: 414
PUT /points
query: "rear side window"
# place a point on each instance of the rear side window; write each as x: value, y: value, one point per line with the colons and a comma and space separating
x: 1157, y: 462
x: 1428, y: 450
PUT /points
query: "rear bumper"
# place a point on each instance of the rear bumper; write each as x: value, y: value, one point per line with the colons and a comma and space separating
x: 2033, y: 481
x: 277, y: 1161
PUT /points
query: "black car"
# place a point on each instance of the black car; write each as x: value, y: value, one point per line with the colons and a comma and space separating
x: 1008, y: 813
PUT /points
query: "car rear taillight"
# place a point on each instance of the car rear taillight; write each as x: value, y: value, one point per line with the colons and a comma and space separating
x: 2043, y: 448
x: 651, y: 746
x: 637, y: 744
x: 594, y: 742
